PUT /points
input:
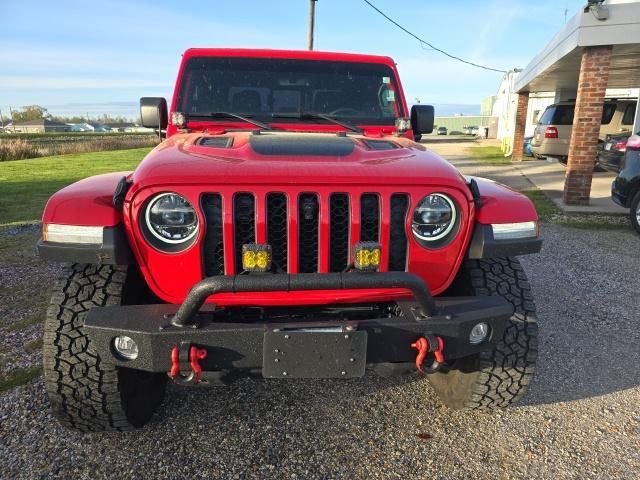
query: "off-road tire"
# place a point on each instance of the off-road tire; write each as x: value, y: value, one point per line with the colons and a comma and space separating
x: 634, y: 213
x: 500, y: 377
x: 87, y: 393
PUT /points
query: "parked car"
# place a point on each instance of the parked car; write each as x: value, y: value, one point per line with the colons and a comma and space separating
x: 261, y: 241
x: 611, y: 152
x: 553, y: 132
x: 625, y: 190
x: 527, y: 147
x: 471, y: 130
x: 441, y: 131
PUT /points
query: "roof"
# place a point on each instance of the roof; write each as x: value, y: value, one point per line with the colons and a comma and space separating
x: 558, y: 63
x: 41, y: 122
x: 295, y: 54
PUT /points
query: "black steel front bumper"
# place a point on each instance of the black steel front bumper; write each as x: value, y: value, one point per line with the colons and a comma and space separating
x: 235, y: 346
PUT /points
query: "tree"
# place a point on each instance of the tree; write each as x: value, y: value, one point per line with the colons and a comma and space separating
x: 30, y: 112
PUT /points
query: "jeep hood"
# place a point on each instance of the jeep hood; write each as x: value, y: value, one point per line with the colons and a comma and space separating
x: 293, y: 158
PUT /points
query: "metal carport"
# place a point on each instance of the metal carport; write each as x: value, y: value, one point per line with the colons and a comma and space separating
x: 599, y: 48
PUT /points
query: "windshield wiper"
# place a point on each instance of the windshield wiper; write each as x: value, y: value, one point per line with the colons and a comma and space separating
x: 257, y: 123
x: 317, y: 116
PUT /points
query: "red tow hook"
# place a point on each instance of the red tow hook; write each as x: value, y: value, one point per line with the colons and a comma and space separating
x: 424, y: 345
x: 185, y: 356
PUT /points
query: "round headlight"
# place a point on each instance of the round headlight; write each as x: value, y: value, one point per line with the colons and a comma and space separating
x: 434, y: 217
x: 171, y: 218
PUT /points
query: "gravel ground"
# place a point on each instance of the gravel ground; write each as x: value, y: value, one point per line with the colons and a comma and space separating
x: 24, y: 283
x: 580, y: 419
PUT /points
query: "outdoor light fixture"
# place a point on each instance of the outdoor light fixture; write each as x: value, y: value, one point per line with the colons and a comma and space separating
x: 256, y: 257
x: 598, y: 9
x: 366, y: 256
x: 52, y: 232
x: 511, y: 231
x: 178, y: 119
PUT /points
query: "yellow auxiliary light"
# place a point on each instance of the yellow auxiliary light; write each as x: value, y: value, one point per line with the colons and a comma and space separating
x: 366, y: 256
x: 256, y: 257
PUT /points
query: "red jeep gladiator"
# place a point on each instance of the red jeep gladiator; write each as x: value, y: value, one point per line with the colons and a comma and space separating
x: 288, y: 227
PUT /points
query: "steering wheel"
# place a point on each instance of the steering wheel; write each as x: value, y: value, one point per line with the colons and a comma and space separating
x: 346, y: 111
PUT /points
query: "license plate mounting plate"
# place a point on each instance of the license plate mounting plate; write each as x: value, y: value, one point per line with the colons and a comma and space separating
x: 314, y: 354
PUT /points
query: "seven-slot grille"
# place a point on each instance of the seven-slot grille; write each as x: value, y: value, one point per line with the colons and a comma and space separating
x: 308, y: 232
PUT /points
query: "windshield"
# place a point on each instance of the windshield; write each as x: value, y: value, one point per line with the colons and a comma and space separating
x: 263, y: 88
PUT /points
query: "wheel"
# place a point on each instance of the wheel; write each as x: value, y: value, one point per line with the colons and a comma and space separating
x: 86, y: 393
x: 563, y: 160
x: 634, y: 213
x: 497, y: 378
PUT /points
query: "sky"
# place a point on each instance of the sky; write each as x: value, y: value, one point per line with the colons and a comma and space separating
x: 79, y: 57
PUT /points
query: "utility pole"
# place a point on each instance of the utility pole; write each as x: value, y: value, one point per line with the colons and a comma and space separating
x: 312, y: 21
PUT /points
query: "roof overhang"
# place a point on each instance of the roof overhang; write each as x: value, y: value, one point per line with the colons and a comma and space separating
x: 557, y: 66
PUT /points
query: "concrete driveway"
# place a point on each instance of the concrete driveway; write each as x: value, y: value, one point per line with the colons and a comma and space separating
x: 545, y: 175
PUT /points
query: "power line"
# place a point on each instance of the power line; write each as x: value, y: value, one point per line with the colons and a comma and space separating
x: 429, y: 44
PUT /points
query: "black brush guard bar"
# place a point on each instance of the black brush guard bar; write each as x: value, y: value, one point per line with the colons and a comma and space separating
x: 298, y: 282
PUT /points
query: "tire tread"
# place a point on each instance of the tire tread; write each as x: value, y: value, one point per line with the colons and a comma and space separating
x: 83, y: 390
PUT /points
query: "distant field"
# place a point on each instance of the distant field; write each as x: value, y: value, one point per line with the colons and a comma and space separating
x: 25, y: 185
x: 59, y: 135
x: 34, y: 145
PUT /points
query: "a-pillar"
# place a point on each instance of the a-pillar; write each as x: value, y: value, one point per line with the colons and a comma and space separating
x: 521, y: 125
x: 592, y: 85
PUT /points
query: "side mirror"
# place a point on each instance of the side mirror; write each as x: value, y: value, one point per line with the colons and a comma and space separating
x: 422, y: 118
x: 153, y: 112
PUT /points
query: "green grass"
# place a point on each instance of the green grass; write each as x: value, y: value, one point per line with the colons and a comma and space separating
x: 35, y: 319
x: 33, y: 345
x: 26, y: 185
x: 487, y: 154
x: 18, y: 377
x: 548, y: 212
x: 584, y: 223
x: 545, y: 207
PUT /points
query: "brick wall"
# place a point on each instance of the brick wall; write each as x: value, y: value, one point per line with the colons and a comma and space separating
x: 521, y: 124
x: 592, y: 84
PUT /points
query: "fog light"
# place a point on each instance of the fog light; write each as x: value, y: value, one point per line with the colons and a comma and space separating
x: 479, y: 333
x: 125, y: 347
x: 256, y: 257
x: 366, y: 256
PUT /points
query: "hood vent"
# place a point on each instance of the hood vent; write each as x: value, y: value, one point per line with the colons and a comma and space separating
x: 319, y: 145
x: 380, y: 144
x: 216, y: 142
